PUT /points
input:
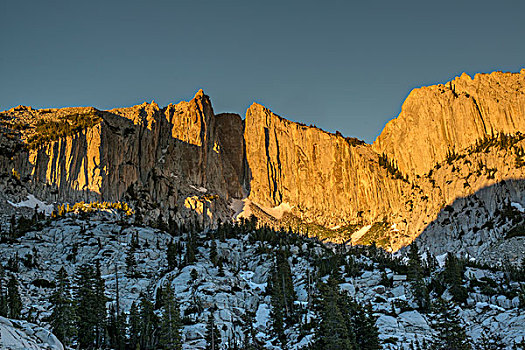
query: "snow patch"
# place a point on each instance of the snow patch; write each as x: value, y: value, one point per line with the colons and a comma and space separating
x: 241, y: 207
x: 278, y: 211
x: 199, y: 189
x: 518, y: 206
x: 441, y: 259
x: 262, y: 317
x: 33, y: 202
x: 360, y: 233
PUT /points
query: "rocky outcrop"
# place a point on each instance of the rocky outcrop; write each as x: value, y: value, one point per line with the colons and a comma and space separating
x: 439, y: 119
x: 16, y: 334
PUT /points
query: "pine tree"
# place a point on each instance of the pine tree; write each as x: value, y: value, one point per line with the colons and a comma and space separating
x: 85, y: 303
x: 450, y: 333
x: 170, y: 322
x: 430, y: 262
x: 343, y: 323
x: 282, y: 295
x: 116, y: 329
x: 3, y: 295
x: 453, y: 278
x: 213, y: 252
x: 213, y: 336
x: 522, y: 270
x: 419, y: 288
x: 12, y: 227
x: 149, y: 324
x: 13, y: 263
x: 62, y: 318
x: 14, y: 302
x: 90, y: 303
x: 173, y: 228
x: 161, y: 224
x: 134, y: 326
x: 367, y: 334
x: 220, y: 267
x: 131, y: 264
x: 138, y: 217
x: 172, y: 256
x: 492, y: 342
x: 421, y: 294
x: 135, y: 243
x: 189, y: 258
x: 331, y: 333
x: 100, y: 306
x: 414, y: 262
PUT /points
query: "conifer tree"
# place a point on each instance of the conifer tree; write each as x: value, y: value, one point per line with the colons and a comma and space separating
x: 453, y: 277
x: 3, y: 295
x: 13, y: 263
x: 213, y: 336
x: 173, y: 228
x: 149, y: 324
x: 116, y: 329
x: 220, y: 267
x: 134, y: 326
x: 90, y: 306
x: 213, y: 252
x: 367, y: 334
x: 332, y: 332
x: 419, y: 288
x: 12, y: 227
x: 100, y: 306
x: 138, y: 217
x: 430, y: 262
x: 189, y: 258
x: 282, y: 294
x: 450, y: 333
x: 135, y: 244
x: 131, y: 263
x: 493, y: 342
x: 172, y: 256
x: 170, y: 322
x: 62, y: 318
x: 85, y: 304
x: 414, y: 262
x: 343, y: 323
x: 14, y: 302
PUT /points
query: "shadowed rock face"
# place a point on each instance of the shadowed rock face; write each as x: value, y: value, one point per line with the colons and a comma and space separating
x: 182, y: 157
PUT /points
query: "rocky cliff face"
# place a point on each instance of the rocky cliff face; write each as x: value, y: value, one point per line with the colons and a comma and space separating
x: 450, y: 141
x: 145, y: 153
x: 325, y: 178
x: 439, y: 119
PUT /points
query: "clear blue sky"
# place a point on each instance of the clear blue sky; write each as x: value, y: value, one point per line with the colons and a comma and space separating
x: 341, y: 65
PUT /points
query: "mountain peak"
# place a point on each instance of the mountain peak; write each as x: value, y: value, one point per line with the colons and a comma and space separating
x: 199, y: 95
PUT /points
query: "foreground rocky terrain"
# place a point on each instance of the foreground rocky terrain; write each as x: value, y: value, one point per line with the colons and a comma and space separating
x: 237, y: 291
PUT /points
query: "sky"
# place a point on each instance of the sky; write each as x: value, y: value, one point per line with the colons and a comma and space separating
x: 341, y: 65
